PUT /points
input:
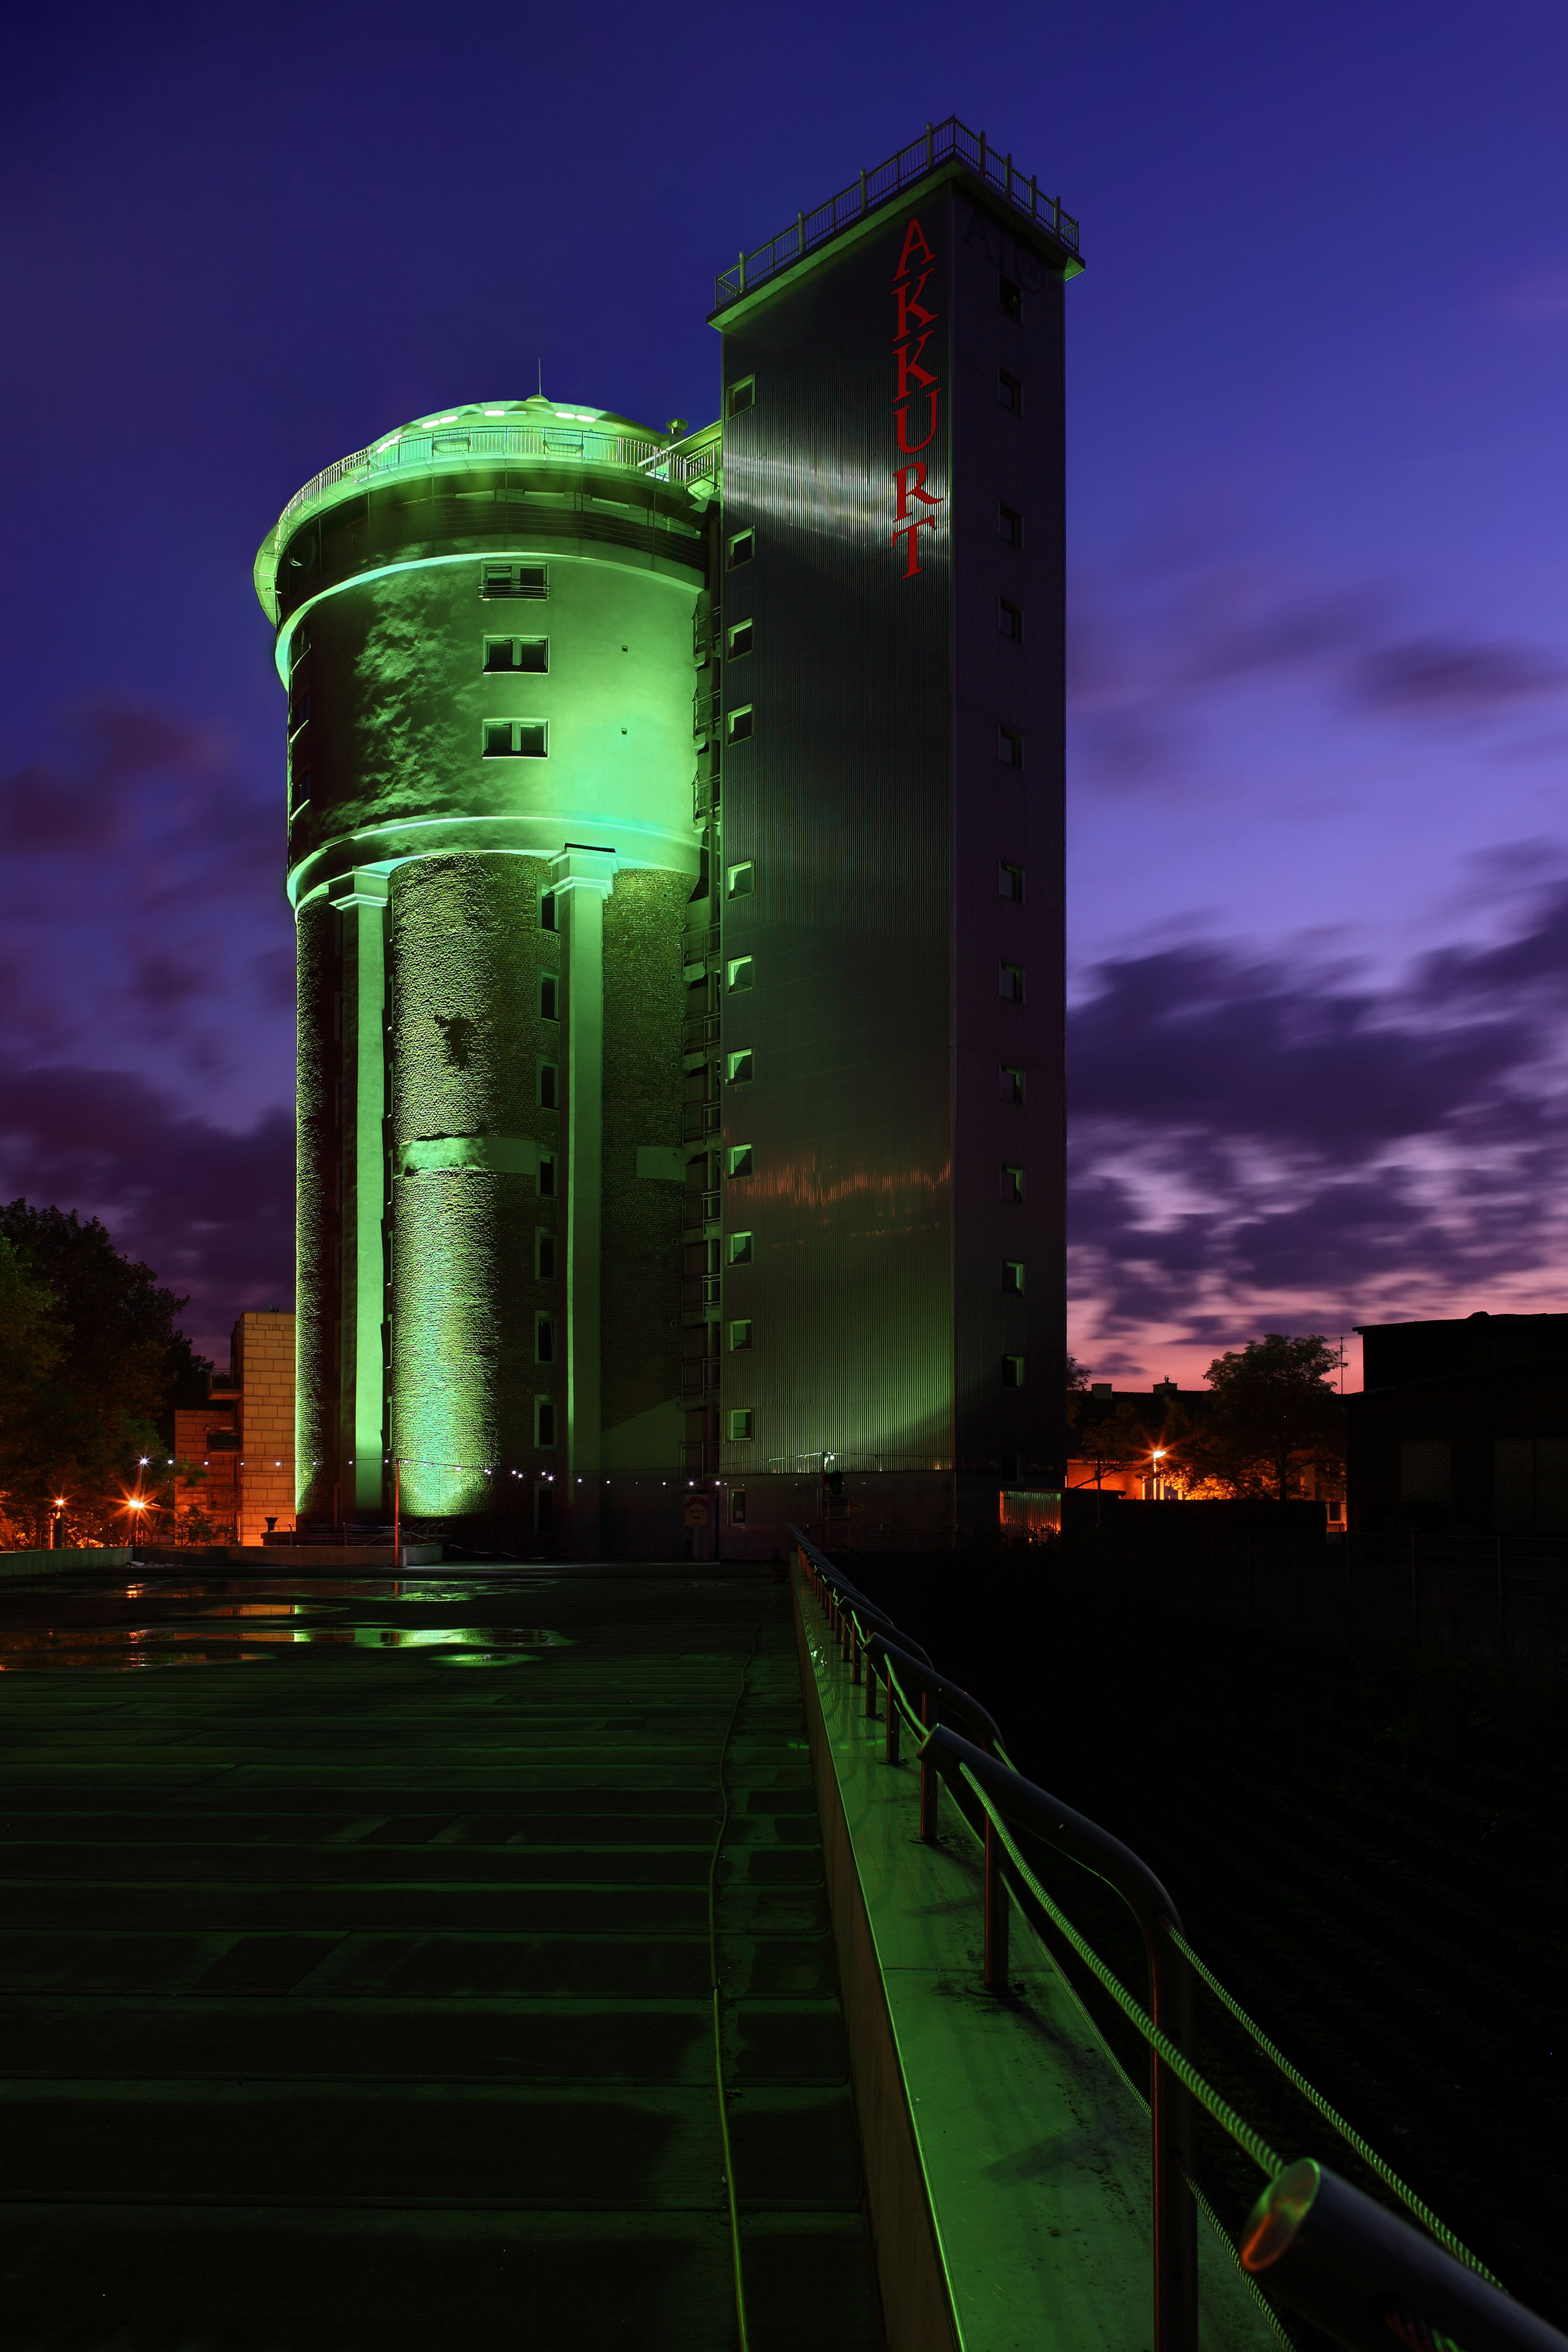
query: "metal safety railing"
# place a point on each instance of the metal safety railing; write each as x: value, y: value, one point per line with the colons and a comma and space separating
x: 1312, y: 2242
x: 949, y: 141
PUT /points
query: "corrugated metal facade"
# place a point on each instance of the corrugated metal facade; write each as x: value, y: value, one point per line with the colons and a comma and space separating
x: 888, y: 750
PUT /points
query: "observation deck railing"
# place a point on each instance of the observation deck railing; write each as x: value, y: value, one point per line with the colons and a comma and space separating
x: 944, y: 142
x: 1312, y: 2242
x: 565, y: 444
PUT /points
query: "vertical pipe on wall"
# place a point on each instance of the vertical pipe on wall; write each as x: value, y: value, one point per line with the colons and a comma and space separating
x: 360, y: 898
x: 583, y: 879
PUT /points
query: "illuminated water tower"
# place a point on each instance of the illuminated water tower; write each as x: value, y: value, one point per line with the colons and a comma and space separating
x: 486, y: 626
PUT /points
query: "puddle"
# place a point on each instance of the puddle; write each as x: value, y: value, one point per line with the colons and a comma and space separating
x: 227, y: 1621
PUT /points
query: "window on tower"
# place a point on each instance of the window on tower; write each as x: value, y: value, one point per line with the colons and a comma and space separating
x: 740, y: 1334
x: 512, y: 654
x: 544, y: 1338
x: 516, y: 739
x: 549, y: 992
x: 1009, y: 392
x: 1010, y: 746
x: 742, y: 638
x: 1011, y: 1184
x: 1010, y: 882
x: 742, y: 396
x: 1010, y: 620
x: 741, y: 1421
x: 544, y: 1253
x: 547, y: 1175
x: 514, y: 580
x: 739, y: 1159
x: 1010, y: 983
x: 1013, y: 1276
x: 1011, y: 1371
x: 1009, y: 298
x: 1010, y: 526
x: 544, y: 1420
x: 743, y: 547
x: 549, y: 1090
x: 739, y: 724
x: 1009, y: 1084
x: 739, y: 972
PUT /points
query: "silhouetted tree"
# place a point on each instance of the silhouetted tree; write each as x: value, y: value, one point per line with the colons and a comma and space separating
x: 1274, y: 1415
x: 91, y: 1372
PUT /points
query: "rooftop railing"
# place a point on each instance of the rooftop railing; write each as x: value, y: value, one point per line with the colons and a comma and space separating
x: 1312, y: 2242
x: 945, y: 142
x: 568, y: 443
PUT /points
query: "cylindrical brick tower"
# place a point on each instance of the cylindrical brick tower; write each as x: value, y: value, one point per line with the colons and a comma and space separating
x: 486, y: 629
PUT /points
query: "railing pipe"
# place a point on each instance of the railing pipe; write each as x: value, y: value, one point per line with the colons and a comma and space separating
x: 950, y: 1703
x: 1170, y: 2006
x: 1369, y: 2280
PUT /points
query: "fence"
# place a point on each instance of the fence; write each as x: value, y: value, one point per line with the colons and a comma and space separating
x: 1319, y: 2246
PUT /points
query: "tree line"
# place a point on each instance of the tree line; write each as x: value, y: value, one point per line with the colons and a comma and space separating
x: 92, y: 1367
x: 1272, y: 1425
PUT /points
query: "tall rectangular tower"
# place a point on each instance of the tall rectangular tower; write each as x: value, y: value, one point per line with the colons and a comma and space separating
x: 888, y: 861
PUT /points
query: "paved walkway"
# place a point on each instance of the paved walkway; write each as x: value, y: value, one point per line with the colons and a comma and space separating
x: 356, y: 1981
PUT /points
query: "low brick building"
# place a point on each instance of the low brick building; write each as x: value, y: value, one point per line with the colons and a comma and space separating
x: 242, y: 1438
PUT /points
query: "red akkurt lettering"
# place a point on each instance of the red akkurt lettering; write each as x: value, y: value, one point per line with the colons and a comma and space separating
x: 907, y: 490
x: 912, y: 449
x: 913, y: 231
x: 912, y: 312
x: 911, y: 531
x: 908, y: 348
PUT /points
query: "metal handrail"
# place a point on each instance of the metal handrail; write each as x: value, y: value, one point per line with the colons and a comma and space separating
x: 944, y: 142
x: 1323, y: 2248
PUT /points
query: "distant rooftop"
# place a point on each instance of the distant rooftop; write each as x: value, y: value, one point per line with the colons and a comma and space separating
x: 945, y: 142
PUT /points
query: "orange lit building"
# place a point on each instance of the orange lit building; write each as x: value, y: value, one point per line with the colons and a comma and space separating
x: 242, y: 1439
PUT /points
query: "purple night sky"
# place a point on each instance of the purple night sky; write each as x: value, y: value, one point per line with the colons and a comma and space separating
x: 1318, y: 565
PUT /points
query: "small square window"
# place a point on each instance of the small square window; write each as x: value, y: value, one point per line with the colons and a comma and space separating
x: 738, y: 725
x: 1010, y: 620
x: 1010, y: 883
x: 511, y: 654
x: 741, y: 1421
x: 1011, y: 1183
x: 740, y: 972
x: 739, y: 1249
x: 543, y: 1253
x: 515, y: 739
x: 1009, y: 1084
x: 1010, y: 297
x: 1010, y: 983
x: 739, y: 1335
x: 544, y: 1420
x: 743, y: 547
x: 547, y: 911
x: 740, y: 1068
x: 1013, y: 1276
x: 1010, y: 747
x: 737, y: 1507
x: 1010, y: 526
x: 544, y: 1338
x: 741, y: 396
x: 743, y: 879
x: 739, y: 1159
x: 548, y: 996
x: 1011, y: 1371
x: 547, y: 1175
x: 742, y: 638
x: 549, y: 1084
x: 1009, y: 393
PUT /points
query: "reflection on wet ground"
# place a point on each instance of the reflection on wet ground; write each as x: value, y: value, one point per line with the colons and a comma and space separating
x: 175, y: 1621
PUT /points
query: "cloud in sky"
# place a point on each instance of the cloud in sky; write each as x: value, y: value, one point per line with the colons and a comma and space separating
x: 210, y: 1210
x: 140, y: 868
x: 1263, y: 1141
x: 1168, y: 660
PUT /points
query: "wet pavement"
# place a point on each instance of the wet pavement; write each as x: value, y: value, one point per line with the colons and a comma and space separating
x: 364, y: 1998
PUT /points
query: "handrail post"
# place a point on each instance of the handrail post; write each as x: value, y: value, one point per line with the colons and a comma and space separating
x: 862, y: 192
x: 742, y: 270
x: 871, y: 1708
x: 998, y: 1916
x: 890, y: 1742
x: 930, y: 1783
x: 930, y: 149
x: 854, y: 1649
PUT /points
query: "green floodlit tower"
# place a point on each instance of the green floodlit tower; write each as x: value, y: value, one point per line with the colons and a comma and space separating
x: 486, y: 626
